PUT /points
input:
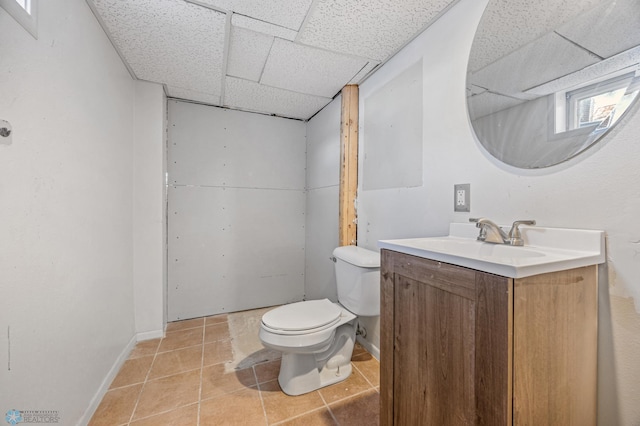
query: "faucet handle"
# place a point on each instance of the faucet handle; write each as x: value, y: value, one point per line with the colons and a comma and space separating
x: 515, y: 237
x: 483, y: 231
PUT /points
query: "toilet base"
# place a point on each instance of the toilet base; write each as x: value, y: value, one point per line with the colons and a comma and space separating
x: 303, y: 373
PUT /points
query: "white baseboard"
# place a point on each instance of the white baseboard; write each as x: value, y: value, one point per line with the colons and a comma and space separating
x: 373, y: 350
x: 149, y: 335
x: 104, y: 386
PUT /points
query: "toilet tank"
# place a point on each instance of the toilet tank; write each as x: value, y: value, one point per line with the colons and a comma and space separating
x: 358, y: 279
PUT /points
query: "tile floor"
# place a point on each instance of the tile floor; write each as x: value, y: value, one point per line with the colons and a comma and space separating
x: 188, y: 378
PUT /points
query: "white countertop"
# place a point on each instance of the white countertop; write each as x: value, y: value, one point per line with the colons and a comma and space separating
x: 545, y: 250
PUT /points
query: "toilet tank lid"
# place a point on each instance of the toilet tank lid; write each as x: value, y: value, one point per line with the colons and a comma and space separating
x: 358, y: 256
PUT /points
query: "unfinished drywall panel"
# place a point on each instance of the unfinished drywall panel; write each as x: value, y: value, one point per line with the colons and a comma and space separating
x: 236, y: 210
x: 393, y: 152
x: 221, y: 147
x: 232, y: 249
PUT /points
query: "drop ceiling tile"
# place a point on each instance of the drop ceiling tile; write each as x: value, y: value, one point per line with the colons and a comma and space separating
x: 488, y: 103
x: 205, y: 98
x: 309, y: 70
x: 370, y: 29
x: 507, y: 25
x: 532, y: 62
x: 248, y: 53
x: 608, y: 29
x: 285, y: 13
x: 627, y: 60
x: 247, y: 95
x: 263, y: 27
x: 168, y: 41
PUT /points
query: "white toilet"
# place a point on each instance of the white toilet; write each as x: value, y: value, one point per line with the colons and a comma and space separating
x: 316, y: 337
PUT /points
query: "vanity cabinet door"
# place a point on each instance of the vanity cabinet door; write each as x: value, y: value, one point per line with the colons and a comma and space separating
x: 445, y: 344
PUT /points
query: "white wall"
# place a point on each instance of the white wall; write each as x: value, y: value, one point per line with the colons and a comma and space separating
x: 323, y: 192
x: 599, y: 189
x: 65, y: 211
x: 149, y: 216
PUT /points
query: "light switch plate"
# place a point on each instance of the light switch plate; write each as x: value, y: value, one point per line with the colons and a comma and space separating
x: 462, y: 197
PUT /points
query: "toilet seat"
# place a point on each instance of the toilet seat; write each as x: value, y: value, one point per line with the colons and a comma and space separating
x: 302, y: 317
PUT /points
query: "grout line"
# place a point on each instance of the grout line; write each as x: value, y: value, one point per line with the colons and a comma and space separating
x: 144, y: 383
x: 165, y: 412
x: 297, y: 416
x: 328, y: 409
x: 201, y: 374
x: 264, y: 409
x: 362, y: 374
x: 179, y: 349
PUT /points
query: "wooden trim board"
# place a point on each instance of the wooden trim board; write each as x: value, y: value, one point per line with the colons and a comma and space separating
x: 348, y: 166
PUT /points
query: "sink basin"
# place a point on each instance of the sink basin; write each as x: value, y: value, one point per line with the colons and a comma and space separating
x: 472, y: 247
x: 545, y: 250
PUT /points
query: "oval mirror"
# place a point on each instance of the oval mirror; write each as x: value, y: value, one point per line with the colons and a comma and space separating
x: 546, y: 80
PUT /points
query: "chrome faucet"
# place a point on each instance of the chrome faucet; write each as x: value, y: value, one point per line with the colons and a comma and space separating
x: 492, y: 233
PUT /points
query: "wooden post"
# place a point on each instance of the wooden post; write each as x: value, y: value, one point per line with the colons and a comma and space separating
x: 349, y: 165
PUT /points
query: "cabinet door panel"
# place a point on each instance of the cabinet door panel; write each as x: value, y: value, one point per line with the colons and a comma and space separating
x: 445, y: 344
x: 434, y: 373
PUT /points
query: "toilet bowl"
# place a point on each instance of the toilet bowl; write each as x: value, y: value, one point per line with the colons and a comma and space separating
x: 317, y: 337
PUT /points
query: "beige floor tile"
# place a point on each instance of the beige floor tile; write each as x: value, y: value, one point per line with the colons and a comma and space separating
x: 216, y: 319
x: 280, y: 406
x: 168, y: 393
x: 368, y: 366
x: 267, y: 371
x: 218, y: 352
x: 321, y: 417
x: 146, y: 348
x: 238, y: 408
x: 363, y: 409
x: 181, y: 339
x: 178, y: 361
x: 185, y: 324
x: 215, y: 332
x: 356, y: 383
x: 116, y: 406
x: 132, y: 371
x: 184, y: 416
x: 216, y: 381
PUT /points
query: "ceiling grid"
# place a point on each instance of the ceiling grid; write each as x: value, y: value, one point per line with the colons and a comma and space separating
x: 281, y: 57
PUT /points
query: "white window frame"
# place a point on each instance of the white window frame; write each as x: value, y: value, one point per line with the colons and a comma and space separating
x: 561, y: 104
x: 575, y: 96
x: 28, y: 19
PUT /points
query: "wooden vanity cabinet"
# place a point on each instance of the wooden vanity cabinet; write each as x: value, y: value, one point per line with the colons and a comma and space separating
x: 464, y: 347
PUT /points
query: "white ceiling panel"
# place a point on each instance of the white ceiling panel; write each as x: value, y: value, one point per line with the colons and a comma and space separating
x: 168, y: 41
x: 252, y: 96
x: 371, y: 29
x: 286, y: 13
x: 488, y: 103
x: 608, y: 29
x: 198, y: 96
x: 248, y: 53
x: 263, y: 27
x: 625, y: 62
x: 308, y: 70
x: 507, y: 25
x: 549, y: 49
